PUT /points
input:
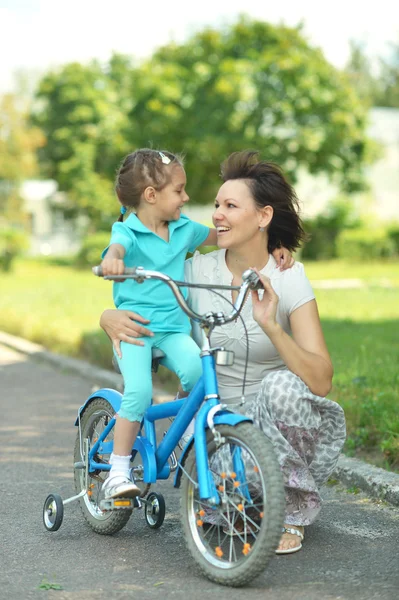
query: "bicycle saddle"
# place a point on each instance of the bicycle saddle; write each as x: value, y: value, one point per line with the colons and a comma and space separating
x: 156, y: 354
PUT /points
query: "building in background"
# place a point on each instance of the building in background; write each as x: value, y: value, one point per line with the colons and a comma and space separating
x: 51, y: 233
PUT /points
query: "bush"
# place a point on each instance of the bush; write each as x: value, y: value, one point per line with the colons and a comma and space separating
x: 95, y: 347
x: 364, y: 243
x: 393, y: 234
x: 324, y: 230
x: 90, y: 253
x: 12, y: 244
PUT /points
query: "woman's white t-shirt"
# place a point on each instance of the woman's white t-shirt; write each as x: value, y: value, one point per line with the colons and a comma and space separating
x: 293, y: 289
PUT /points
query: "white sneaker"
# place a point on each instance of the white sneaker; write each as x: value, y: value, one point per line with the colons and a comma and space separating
x: 119, y: 487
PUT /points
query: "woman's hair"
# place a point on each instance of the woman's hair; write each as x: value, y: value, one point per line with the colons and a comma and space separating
x: 269, y: 188
x: 140, y: 169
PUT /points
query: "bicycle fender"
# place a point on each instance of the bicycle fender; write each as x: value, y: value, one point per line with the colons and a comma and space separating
x: 112, y: 396
x: 224, y: 417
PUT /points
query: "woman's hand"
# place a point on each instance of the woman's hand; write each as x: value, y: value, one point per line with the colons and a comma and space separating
x: 124, y: 326
x: 283, y: 258
x: 265, y: 310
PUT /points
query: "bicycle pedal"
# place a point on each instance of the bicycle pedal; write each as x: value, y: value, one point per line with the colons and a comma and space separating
x: 79, y: 465
x: 117, y: 504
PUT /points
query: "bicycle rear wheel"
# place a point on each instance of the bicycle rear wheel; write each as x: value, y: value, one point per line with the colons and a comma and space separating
x: 233, y: 542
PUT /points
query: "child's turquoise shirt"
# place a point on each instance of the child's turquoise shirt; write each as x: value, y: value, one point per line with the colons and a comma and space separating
x: 153, y: 299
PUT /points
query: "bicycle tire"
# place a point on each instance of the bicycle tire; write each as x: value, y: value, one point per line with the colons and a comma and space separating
x: 261, y: 532
x: 103, y: 522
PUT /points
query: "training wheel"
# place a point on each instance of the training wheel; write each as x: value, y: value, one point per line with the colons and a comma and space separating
x: 53, y: 512
x: 154, y: 511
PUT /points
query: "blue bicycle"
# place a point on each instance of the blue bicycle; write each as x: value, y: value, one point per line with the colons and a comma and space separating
x: 232, y: 495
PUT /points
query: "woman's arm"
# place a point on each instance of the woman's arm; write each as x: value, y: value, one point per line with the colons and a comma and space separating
x: 124, y: 326
x: 305, y: 354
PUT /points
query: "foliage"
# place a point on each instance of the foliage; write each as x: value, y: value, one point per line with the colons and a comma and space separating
x: 45, y: 584
x: 324, y: 230
x: 92, y: 247
x: 393, y: 234
x: 389, y: 89
x: 13, y: 242
x: 18, y: 144
x: 250, y: 85
x: 376, y: 87
x: 365, y: 242
x: 360, y: 74
x: 83, y: 113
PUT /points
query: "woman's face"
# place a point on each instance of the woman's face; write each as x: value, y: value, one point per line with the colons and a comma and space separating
x: 236, y: 217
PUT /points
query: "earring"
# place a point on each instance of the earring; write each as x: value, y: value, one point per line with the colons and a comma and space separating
x: 261, y: 229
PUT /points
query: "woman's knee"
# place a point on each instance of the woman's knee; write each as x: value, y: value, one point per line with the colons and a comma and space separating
x: 284, y: 395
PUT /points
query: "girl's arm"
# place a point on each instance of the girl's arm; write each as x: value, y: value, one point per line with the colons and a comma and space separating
x: 211, y: 240
x: 112, y: 263
x: 305, y: 353
x: 282, y: 256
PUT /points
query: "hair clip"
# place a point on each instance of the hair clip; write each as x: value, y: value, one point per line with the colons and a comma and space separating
x: 165, y: 159
x: 123, y: 210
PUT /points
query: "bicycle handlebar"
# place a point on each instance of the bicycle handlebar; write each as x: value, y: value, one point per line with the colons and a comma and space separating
x: 251, y: 281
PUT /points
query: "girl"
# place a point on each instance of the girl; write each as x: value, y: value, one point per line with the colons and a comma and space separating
x: 156, y: 236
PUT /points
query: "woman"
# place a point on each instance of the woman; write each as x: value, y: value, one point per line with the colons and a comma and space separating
x: 289, y: 371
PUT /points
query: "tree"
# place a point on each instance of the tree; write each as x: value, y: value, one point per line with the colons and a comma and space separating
x: 378, y: 88
x: 359, y: 71
x: 251, y: 85
x: 79, y: 109
x: 388, y: 93
x: 19, y: 142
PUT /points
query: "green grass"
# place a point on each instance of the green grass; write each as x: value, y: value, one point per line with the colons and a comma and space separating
x: 59, y: 307
x: 372, y: 272
x: 52, y: 305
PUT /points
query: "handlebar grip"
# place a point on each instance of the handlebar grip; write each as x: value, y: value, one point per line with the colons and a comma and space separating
x: 258, y: 285
x: 99, y: 271
x: 254, y: 281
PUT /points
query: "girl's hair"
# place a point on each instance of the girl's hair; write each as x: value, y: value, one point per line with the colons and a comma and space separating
x: 140, y: 169
x: 269, y: 188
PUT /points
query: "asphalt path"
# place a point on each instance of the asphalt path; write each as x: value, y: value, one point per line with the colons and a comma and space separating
x: 351, y: 552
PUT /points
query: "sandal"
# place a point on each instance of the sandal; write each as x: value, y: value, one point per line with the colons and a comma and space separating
x: 292, y: 531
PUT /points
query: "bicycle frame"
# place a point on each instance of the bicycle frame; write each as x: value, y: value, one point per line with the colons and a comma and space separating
x: 155, y: 457
x: 203, y: 403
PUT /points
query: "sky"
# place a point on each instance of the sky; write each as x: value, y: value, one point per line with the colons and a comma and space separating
x: 36, y: 35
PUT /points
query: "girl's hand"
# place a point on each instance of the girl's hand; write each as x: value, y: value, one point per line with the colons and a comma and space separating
x: 124, y: 326
x: 113, y: 266
x: 283, y: 258
x: 265, y: 310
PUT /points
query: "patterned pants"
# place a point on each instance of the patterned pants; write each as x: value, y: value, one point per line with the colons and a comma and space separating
x: 307, y: 433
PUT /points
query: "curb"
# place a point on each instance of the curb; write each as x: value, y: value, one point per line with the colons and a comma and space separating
x: 373, y: 481
x: 99, y: 377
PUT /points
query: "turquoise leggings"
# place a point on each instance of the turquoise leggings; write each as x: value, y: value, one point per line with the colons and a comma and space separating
x: 182, y: 356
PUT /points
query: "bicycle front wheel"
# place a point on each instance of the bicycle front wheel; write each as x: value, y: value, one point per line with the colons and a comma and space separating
x: 233, y: 541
